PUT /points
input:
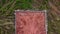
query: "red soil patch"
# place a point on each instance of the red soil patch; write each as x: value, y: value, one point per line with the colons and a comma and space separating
x: 30, y: 23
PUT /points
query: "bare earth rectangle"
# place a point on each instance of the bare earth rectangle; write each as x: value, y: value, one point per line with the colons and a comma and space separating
x: 30, y: 22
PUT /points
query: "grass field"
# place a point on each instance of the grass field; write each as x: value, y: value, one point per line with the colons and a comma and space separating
x: 7, y: 8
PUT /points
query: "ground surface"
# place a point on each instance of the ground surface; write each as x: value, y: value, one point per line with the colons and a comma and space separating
x: 7, y: 8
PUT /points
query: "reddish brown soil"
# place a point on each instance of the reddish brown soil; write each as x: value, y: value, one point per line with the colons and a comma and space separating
x: 30, y: 23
